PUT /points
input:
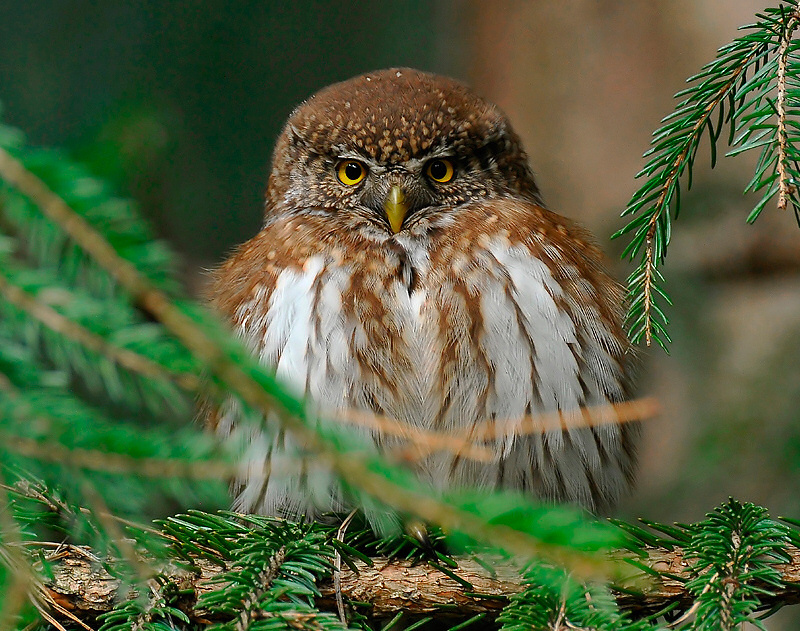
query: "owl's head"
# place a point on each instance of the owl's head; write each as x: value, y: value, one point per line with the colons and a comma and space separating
x: 394, y: 149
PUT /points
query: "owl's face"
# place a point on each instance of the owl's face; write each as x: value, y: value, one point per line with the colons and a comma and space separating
x: 390, y: 152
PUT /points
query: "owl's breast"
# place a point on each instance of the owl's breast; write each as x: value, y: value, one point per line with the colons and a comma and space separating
x: 438, y: 338
x: 355, y: 334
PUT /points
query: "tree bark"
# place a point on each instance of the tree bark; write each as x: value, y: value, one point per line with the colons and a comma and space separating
x: 80, y: 587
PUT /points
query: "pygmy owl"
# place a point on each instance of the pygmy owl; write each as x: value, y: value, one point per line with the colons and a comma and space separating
x: 407, y: 267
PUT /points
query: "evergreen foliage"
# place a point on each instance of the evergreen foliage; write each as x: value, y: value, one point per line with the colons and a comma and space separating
x: 102, y: 358
x: 753, y: 89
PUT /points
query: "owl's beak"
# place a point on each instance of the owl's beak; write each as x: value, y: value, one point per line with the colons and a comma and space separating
x: 396, y: 208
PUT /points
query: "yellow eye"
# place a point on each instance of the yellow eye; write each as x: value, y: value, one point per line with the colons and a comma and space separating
x: 351, y: 172
x: 440, y: 170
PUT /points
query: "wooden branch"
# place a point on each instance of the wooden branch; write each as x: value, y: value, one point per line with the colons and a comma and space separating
x: 82, y: 587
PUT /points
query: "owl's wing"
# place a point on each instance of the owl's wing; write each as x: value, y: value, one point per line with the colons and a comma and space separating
x: 532, y: 325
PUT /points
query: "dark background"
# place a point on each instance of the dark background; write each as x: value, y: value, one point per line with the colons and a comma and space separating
x: 178, y: 103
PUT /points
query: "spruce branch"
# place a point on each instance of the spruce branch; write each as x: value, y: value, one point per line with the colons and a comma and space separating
x: 155, y: 613
x: 383, y: 587
x: 675, y: 145
x: 245, y: 571
x: 43, y: 424
x: 744, y: 105
x: 737, y: 549
x: 118, y: 463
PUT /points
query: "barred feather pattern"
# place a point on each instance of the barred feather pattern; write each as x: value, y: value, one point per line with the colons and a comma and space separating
x: 485, y: 312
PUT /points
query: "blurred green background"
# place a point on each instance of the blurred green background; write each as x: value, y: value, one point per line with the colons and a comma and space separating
x: 178, y: 103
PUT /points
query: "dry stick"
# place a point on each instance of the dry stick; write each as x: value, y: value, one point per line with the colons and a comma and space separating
x: 16, y: 593
x: 59, y: 323
x: 785, y: 189
x: 350, y: 467
x: 463, y: 443
x: 97, y: 508
x: 25, y: 584
x: 592, y: 416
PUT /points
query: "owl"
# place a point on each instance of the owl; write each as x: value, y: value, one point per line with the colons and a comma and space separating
x: 407, y: 268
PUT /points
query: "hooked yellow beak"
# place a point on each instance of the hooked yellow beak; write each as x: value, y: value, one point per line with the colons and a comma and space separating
x: 396, y: 208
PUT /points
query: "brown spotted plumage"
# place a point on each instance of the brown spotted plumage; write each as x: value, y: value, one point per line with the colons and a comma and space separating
x: 407, y: 267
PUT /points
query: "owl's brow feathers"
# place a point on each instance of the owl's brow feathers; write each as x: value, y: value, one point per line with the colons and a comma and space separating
x: 395, y: 116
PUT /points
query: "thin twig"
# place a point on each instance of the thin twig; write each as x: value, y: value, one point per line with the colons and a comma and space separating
x: 695, y: 606
x: 592, y: 416
x: 337, y: 571
x: 785, y: 188
x: 464, y: 443
x: 562, y: 610
x: 649, y: 271
x: 425, y: 441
